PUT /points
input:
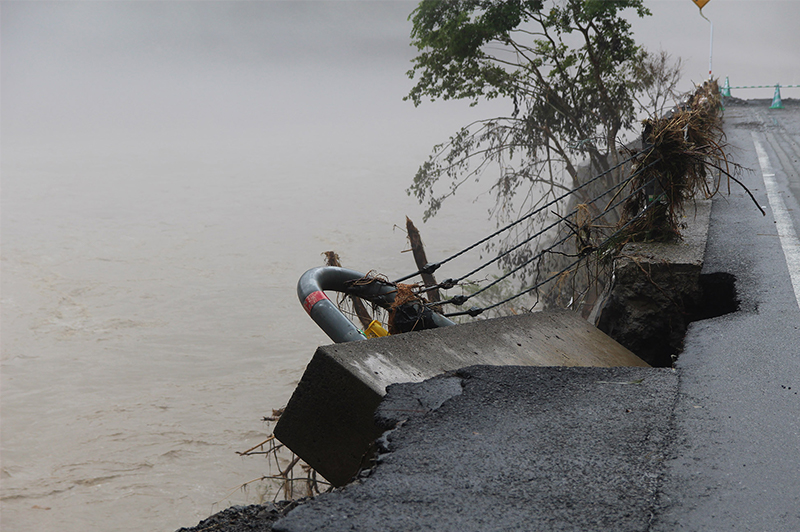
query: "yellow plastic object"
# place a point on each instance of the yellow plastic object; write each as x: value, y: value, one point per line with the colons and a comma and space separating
x: 375, y: 330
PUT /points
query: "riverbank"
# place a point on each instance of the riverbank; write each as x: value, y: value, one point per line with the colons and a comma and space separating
x: 710, y: 444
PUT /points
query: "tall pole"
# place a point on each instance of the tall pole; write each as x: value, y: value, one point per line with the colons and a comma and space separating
x: 711, y: 42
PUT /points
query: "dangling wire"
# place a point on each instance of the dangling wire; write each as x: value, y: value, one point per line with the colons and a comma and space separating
x: 450, y: 283
x: 432, y: 267
x: 475, y: 311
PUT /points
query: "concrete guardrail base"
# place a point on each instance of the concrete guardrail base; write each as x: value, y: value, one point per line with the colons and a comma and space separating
x: 329, y: 422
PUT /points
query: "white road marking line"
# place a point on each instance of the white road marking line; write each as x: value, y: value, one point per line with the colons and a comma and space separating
x: 783, y: 221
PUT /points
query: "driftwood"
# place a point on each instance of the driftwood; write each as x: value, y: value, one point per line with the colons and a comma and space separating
x: 332, y: 259
x: 419, y: 257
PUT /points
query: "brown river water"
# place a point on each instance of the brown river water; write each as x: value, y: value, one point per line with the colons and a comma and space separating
x: 150, y: 320
x: 158, y: 206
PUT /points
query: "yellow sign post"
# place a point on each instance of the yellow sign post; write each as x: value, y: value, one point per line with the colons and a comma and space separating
x: 701, y: 4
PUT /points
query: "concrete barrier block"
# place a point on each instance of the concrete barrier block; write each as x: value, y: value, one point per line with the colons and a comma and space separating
x: 656, y: 286
x: 329, y: 422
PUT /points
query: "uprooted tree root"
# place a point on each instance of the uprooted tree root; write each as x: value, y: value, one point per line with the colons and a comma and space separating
x: 407, y: 294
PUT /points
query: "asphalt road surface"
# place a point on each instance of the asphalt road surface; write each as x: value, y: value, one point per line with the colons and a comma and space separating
x: 736, y: 459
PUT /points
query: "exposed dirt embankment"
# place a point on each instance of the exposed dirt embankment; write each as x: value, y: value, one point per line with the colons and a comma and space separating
x: 657, y: 291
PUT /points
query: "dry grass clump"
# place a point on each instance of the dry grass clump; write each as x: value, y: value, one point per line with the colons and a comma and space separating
x: 406, y: 294
x: 684, y: 157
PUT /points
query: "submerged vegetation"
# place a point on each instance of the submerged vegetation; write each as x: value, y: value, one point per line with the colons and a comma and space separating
x: 287, y: 477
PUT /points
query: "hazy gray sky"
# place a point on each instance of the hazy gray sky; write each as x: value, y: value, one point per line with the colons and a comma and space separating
x: 756, y: 42
x: 324, y: 74
x: 145, y: 63
x: 197, y: 64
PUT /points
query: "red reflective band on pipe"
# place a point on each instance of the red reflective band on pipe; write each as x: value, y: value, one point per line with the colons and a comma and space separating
x: 312, y: 299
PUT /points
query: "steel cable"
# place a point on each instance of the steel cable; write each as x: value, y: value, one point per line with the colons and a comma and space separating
x: 475, y: 311
x: 449, y: 283
x: 430, y: 268
x: 460, y: 300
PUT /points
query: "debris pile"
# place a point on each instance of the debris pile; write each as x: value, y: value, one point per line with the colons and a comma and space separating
x: 683, y: 157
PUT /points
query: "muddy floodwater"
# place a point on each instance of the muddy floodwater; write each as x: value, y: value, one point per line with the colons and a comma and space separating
x: 167, y: 176
x: 150, y: 320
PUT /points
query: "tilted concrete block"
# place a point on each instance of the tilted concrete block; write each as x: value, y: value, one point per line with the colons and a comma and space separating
x: 656, y: 289
x: 329, y: 422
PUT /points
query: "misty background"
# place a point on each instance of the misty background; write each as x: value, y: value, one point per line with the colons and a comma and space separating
x: 168, y: 170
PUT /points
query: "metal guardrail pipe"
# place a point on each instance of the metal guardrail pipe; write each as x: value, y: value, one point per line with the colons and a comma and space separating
x: 325, y: 313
